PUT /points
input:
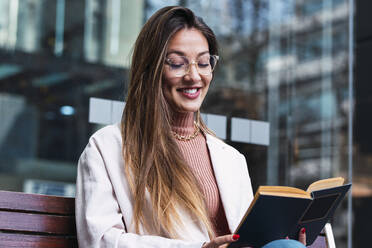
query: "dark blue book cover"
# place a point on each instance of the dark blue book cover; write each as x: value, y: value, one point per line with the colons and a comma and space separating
x: 281, y: 214
x: 319, y: 212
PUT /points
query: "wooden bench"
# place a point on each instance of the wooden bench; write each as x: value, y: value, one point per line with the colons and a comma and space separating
x: 38, y: 221
x: 30, y: 220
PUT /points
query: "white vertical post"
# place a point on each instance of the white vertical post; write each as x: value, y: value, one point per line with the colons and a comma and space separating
x: 350, y: 123
x: 115, y: 27
x: 60, y: 26
x: 13, y: 24
x: 326, y: 92
x: 273, y: 72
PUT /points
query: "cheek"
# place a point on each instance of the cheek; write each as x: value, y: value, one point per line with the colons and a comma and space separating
x: 168, y: 83
x: 207, y: 81
x: 168, y: 86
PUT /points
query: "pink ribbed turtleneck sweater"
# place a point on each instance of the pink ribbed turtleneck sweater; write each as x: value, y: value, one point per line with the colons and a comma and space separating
x: 196, y: 154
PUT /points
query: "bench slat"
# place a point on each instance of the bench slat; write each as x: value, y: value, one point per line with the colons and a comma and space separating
x: 41, y: 223
x: 37, y: 203
x: 36, y: 241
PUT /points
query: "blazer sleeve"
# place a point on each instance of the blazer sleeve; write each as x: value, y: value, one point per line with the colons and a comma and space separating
x: 99, y: 220
x: 246, y: 186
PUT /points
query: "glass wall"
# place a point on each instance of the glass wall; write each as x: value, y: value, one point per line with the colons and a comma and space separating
x: 283, y: 75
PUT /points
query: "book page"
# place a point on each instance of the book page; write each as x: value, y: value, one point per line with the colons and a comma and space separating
x: 326, y: 183
x: 283, y: 191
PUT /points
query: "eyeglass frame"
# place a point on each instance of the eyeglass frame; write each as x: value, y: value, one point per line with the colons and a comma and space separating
x: 193, y: 62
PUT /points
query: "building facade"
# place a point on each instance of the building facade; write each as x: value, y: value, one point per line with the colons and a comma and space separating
x: 282, y: 93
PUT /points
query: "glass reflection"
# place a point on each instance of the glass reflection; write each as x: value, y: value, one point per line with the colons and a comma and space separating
x: 281, y: 61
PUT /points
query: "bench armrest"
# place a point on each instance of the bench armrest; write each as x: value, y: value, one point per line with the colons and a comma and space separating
x: 329, y: 236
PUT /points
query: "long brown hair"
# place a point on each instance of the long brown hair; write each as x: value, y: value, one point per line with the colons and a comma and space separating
x: 152, y: 159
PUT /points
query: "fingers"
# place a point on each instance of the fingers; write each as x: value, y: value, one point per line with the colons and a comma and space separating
x: 302, y: 236
x: 225, y: 239
x: 222, y: 241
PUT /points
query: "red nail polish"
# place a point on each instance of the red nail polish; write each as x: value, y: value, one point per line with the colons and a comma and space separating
x: 303, y: 230
x: 236, y: 236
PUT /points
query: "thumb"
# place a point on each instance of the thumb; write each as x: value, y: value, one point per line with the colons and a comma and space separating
x: 302, y: 236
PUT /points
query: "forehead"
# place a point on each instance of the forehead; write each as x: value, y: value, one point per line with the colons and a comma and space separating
x: 188, y: 42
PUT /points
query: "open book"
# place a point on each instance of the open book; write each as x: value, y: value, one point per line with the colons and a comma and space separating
x: 278, y: 211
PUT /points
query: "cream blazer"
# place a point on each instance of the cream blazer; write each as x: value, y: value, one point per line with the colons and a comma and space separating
x: 104, y: 205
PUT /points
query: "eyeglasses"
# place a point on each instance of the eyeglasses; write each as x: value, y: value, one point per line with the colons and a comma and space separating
x: 179, y: 65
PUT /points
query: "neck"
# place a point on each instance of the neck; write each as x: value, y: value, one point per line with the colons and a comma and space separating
x: 183, y: 123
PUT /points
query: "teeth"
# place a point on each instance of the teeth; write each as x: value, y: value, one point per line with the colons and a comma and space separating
x: 189, y: 91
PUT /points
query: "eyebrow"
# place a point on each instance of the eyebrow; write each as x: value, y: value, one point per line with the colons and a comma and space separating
x: 183, y: 54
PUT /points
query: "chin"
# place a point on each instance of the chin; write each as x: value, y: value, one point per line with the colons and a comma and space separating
x: 189, y: 109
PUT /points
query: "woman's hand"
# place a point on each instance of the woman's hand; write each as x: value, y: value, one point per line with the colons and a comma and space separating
x: 302, y: 236
x: 221, y: 241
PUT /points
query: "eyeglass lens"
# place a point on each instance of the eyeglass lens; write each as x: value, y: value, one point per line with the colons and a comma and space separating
x: 180, y: 65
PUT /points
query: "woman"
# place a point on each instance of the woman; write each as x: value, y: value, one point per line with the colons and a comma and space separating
x: 160, y: 178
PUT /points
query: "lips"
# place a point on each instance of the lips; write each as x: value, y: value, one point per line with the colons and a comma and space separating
x: 190, y: 93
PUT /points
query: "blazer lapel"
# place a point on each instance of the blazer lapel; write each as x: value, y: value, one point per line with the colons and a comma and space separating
x: 227, y: 180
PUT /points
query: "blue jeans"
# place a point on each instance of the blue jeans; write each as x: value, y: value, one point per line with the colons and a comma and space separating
x: 284, y: 243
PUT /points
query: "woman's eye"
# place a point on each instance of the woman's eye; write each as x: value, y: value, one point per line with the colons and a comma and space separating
x: 176, y: 66
x: 175, y: 63
x: 203, y: 65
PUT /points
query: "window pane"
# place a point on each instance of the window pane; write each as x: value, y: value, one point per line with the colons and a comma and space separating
x: 280, y: 92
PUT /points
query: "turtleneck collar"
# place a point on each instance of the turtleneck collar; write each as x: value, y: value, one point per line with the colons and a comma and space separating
x: 183, y: 123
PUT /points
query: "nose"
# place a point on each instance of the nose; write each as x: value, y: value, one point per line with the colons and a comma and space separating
x: 193, y: 73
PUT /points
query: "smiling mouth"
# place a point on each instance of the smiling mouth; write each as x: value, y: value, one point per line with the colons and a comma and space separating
x: 190, y: 93
x: 189, y: 90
